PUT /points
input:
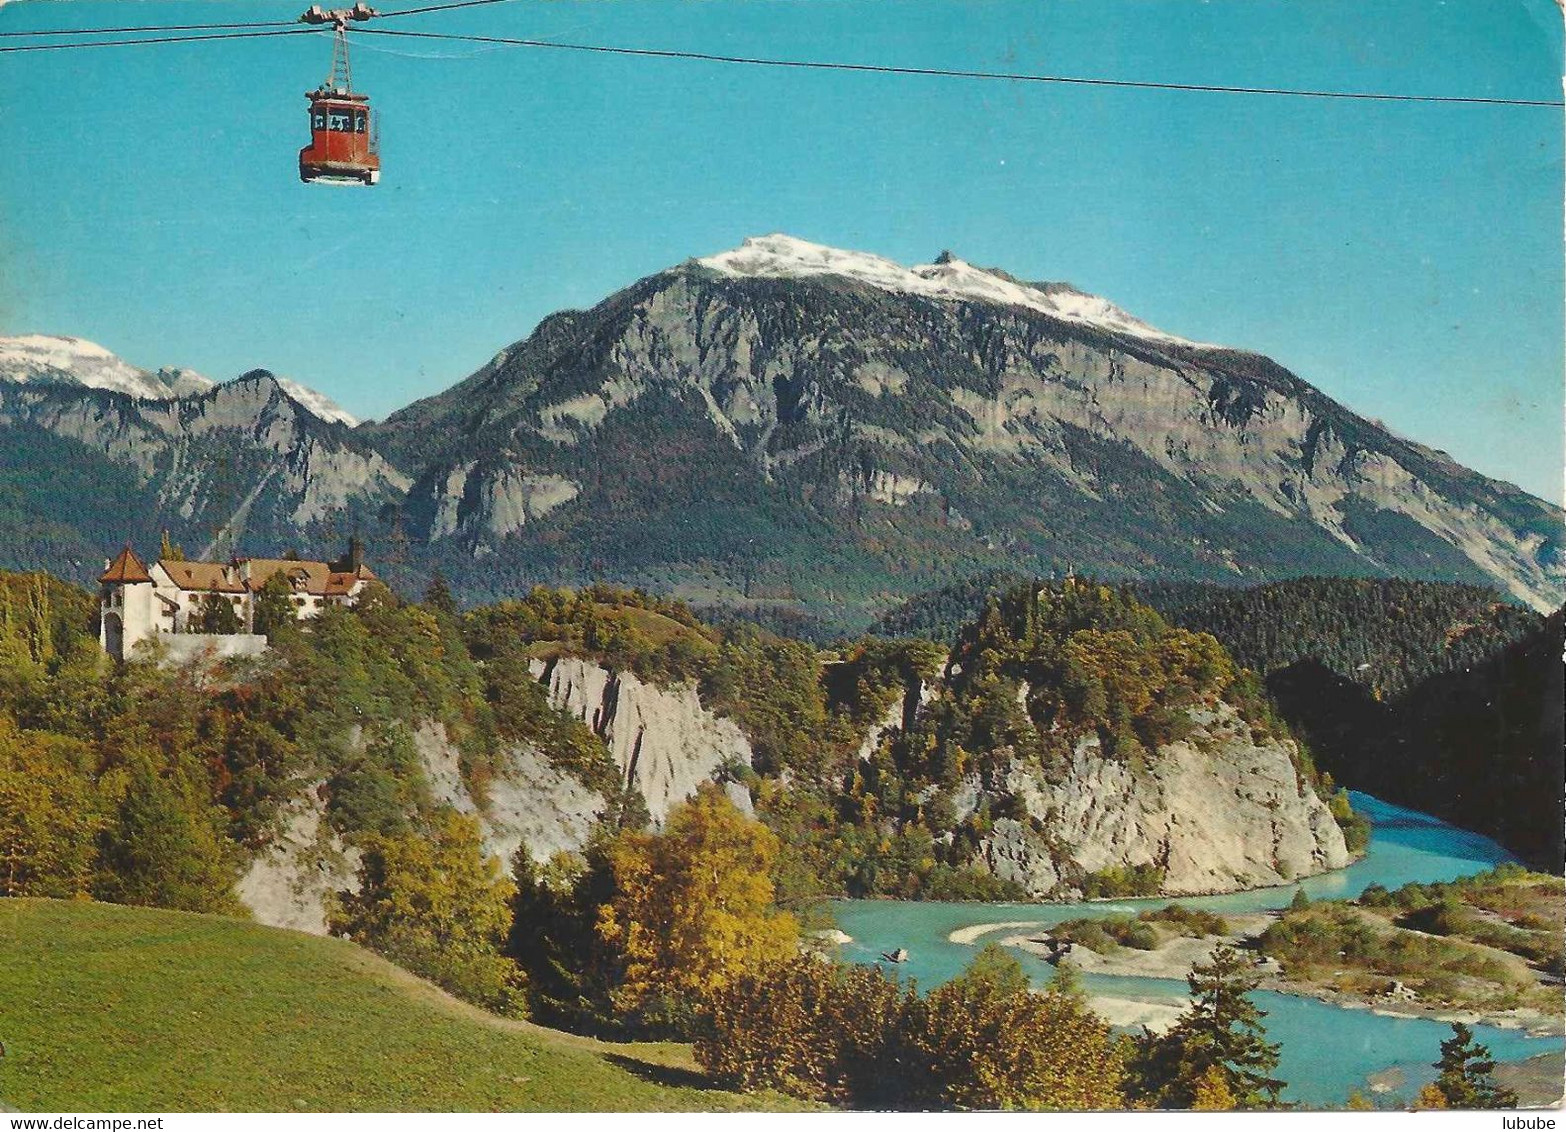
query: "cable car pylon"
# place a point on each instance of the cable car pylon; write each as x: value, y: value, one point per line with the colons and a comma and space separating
x: 344, y: 144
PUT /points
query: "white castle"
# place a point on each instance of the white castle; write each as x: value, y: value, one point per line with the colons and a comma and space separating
x: 167, y: 600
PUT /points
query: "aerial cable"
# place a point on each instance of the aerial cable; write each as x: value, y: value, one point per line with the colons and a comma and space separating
x: 159, y: 39
x: 236, y: 27
x: 291, y: 28
x: 157, y: 27
x: 938, y: 72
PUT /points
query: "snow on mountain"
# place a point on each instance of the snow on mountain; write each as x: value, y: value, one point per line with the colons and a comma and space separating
x: 783, y: 256
x: 182, y: 382
x: 58, y: 360
x: 49, y: 359
x: 318, y: 403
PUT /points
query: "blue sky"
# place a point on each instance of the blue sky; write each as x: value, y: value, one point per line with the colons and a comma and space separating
x: 1404, y: 258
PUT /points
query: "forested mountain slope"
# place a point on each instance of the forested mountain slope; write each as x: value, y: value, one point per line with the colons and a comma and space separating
x: 1439, y: 696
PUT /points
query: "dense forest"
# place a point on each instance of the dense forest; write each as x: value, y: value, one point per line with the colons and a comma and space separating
x: 1481, y: 747
x: 1436, y: 695
x: 1386, y: 634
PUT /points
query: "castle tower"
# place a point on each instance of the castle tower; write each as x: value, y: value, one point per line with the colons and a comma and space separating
x: 125, y: 604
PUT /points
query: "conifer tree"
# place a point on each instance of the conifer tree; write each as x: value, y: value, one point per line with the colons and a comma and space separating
x: 1220, y: 1032
x: 438, y: 595
x: 1465, y: 1080
x: 164, y: 849
x: 218, y: 615
x: 273, y: 607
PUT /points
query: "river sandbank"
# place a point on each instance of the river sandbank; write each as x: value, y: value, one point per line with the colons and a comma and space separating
x: 1175, y: 958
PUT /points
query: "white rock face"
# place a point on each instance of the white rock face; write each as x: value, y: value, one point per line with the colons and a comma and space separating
x: 289, y: 883
x: 664, y: 741
x: 529, y: 801
x: 1217, y: 812
x: 494, y: 502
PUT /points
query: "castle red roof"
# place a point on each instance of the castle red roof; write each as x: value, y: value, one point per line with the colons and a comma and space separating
x: 125, y: 568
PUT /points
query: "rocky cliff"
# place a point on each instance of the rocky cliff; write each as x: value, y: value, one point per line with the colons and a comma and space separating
x: 664, y: 741
x: 1217, y: 811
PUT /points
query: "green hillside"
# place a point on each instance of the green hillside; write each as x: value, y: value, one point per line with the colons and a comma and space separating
x: 106, y: 1008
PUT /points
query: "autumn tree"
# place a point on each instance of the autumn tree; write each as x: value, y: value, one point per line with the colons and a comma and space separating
x: 1212, y: 1092
x: 810, y: 1028
x: 1220, y: 1035
x: 693, y: 906
x: 985, y: 1040
x: 50, y: 815
x: 433, y: 902
x: 1465, y: 1079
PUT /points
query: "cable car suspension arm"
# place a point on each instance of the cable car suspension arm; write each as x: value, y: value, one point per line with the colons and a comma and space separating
x: 341, y: 76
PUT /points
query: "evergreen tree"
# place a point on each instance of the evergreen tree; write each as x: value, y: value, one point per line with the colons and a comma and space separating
x: 164, y: 849
x: 1465, y: 1080
x: 218, y: 615
x: 438, y: 595
x: 1219, y: 1035
x: 273, y: 607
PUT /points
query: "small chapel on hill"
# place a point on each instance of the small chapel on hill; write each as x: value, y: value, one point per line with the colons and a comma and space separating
x: 137, y: 602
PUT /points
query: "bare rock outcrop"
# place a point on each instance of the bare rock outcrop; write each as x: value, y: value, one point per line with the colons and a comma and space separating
x: 290, y: 882
x: 664, y: 741
x: 529, y: 802
x: 1218, y: 811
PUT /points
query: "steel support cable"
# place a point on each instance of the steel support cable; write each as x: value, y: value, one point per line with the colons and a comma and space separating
x: 240, y: 26
x: 939, y: 72
x: 755, y: 61
x: 160, y: 39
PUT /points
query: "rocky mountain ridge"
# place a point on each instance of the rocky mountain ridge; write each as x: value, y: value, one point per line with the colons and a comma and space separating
x: 948, y: 414
x: 237, y: 461
x: 792, y: 423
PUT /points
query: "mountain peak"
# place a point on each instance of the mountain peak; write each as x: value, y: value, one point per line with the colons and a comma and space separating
x: 780, y: 256
x: 317, y: 404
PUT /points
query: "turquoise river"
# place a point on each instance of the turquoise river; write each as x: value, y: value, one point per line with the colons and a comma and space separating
x: 1327, y: 1050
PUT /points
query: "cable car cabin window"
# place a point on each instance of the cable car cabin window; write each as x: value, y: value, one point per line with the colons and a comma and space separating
x: 359, y: 121
x: 340, y: 121
x: 318, y: 120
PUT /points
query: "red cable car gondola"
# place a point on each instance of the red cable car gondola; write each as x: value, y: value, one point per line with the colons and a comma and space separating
x: 343, y: 140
